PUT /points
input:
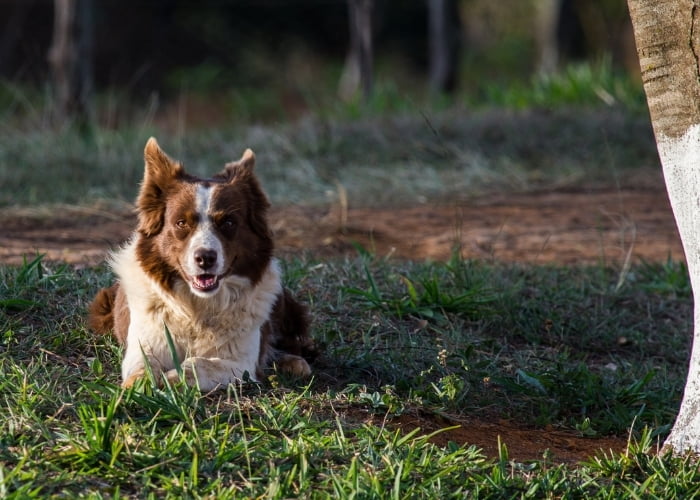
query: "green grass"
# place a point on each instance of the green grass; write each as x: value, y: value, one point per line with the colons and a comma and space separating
x: 594, y: 350
x: 584, y: 84
x: 538, y: 345
x: 404, y: 159
x: 398, y: 148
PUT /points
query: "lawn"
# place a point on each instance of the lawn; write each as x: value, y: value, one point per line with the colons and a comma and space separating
x: 414, y: 353
x: 539, y: 346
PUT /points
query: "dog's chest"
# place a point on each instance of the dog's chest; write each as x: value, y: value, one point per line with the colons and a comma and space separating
x: 207, y: 331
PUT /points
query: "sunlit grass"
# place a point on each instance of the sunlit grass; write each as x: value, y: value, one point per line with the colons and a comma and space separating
x: 522, y: 348
x: 573, y: 347
x: 587, y: 84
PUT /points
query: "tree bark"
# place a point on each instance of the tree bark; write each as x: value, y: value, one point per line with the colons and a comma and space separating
x: 546, y: 22
x: 667, y: 33
x: 70, y: 59
x: 358, y: 64
x: 443, y: 42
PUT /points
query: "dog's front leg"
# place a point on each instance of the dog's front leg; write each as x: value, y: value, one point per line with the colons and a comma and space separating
x: 145, y: 352
x: 210, y: 373
x: 134, y: 367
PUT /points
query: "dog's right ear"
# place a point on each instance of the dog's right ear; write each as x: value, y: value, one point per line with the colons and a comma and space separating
x: 159, y: 173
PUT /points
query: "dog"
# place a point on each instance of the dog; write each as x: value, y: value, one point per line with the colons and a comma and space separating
x: 200, y: 264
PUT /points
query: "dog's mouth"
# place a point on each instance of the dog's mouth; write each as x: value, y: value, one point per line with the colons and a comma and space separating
x: 205, y: 282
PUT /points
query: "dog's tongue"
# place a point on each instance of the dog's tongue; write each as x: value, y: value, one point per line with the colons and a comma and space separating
x: 205, y: 282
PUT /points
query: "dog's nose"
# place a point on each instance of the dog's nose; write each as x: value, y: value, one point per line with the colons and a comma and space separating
x: 205, y: 258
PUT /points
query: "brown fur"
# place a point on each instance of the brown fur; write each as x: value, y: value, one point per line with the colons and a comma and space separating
x: 108, y: 304
x: 287, y: 333
x: 101, y: 314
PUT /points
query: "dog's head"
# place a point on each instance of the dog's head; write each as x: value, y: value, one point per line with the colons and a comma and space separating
x: 201, y: 230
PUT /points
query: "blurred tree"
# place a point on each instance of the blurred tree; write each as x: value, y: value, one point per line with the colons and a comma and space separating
x: 444, y: 33
x: 444, y: 37
x: 547, y: 14
x: 70, y: 58
x: 160, y: 49
x: 578, y: 29
x: 357, y: 72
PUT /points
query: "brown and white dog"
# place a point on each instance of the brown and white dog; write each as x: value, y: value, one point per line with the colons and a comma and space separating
x: 200, y: 263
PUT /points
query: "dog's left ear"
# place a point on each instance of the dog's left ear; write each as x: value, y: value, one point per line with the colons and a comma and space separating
x: 241, y: 168
x: 248, y: 159
x: 242, y: 172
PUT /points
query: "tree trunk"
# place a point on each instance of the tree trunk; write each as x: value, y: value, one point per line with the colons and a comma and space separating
x: 546, y: 21
x: 444, y: 31
x: 358, y: 64
x: 667, y: 34
x: 70, y: 59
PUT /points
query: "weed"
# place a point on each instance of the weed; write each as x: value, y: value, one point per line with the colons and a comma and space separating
x: 428, y: 298
x: 668, y: 278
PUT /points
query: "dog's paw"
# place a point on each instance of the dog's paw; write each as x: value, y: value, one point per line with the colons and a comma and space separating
x: 293, y: 365
x: 187, y: 375
x: 133, y: 378
x: 172, y: 376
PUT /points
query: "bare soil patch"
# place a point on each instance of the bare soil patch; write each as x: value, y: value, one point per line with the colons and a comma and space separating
x: 485, y: 431
x: 524, y: 444
x: 608, y: 226
x: 551, y: 227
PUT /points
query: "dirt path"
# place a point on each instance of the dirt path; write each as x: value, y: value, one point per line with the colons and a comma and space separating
x: 561, y: 227
x: 554, y: 227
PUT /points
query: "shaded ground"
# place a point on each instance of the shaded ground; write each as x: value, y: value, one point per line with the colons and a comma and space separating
x: 555, y: 227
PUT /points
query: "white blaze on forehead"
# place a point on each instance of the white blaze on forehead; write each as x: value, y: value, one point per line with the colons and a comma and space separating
x: 204, y: 236
x: 202, y: 200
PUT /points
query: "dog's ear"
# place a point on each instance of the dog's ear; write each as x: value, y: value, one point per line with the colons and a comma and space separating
x: 242, y: 172
x: 242, y: 168
x: 159, y: 173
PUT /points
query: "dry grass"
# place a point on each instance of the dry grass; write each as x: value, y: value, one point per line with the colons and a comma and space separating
x: 377, y: 161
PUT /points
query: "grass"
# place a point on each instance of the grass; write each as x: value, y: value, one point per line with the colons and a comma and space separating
x: 399, y: 148
x: 591, y: 350
x: 588, y: 84
x: 537, y: 345
x: 445, y: 154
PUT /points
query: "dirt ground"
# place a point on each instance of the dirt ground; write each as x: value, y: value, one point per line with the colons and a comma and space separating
x: 558, y: 227
x: 586, y: 226
x: 523, y: 444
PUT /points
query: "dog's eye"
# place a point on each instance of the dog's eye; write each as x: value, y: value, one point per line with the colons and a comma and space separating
x: 227, y: 223
x: 181, y: 223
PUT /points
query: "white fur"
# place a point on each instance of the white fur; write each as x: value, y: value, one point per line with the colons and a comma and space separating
x: 217, y: 338
x: 204, y: 237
